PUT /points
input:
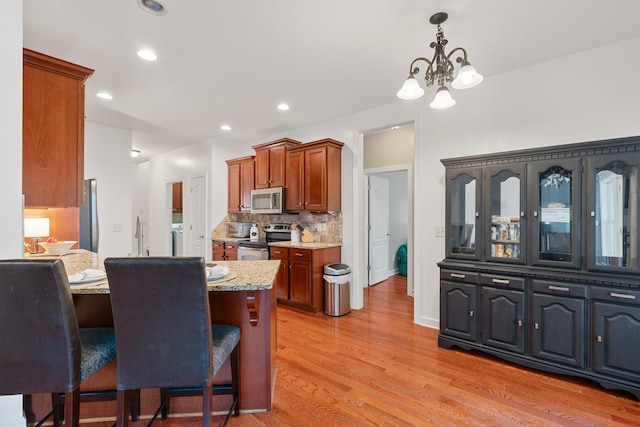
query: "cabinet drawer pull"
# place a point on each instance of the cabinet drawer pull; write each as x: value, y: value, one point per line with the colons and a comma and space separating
x: 519, y: 323
x: 558, y: 288
x: 624, y: 296
x: 501, y: 281
x: 458, y: 276
x: 471, y: 313
x: 536, y: 325
x: 298, y: 254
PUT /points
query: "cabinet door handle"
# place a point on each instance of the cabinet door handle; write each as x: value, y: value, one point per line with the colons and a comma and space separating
x: 624, y: 296
x: 598, y: 338
x: 458, y: 276
x: 558, y: 288
x: 535, y: 213
x: 501, y: 281
x: 477, y: 214
x: 536, y: 325
x: 522, y: 214
x: 471, y: 313
x: 519, y: 323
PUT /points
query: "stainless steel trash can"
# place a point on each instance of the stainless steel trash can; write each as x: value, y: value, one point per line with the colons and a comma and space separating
x: 337, y: 289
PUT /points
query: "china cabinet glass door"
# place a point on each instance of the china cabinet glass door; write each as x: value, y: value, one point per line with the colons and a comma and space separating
x: 463, y: 204
x: 556, y: 204
x: 505, y: 206
x: 613, y: 212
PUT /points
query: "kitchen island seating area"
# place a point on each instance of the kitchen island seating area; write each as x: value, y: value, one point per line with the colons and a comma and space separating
x: 43, y: 349
x: 164, y: 335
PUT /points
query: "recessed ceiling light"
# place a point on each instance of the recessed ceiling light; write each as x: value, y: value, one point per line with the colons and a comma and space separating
x: 135, y: 153
x: 395, y: 127
x: 147, y: 55
x: 283, y: 107
x: 225, y: 127
x: 153, y: 7
x: 104, y: 95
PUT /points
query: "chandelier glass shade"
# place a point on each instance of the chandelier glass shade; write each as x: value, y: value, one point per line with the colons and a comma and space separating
x: 440, y: 70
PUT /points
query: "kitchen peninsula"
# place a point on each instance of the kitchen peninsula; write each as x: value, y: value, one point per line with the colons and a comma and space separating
x: 245, y: 298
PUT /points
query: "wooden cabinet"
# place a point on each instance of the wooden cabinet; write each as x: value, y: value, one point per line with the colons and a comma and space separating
x: 271, y: 162
x: 224, y: 251
x: 556, y: 301
x: 314, y: 176
x: 616, y: 314
x: 559, y: 316
x: 52, y: 131
x: 240, y: 184
x: 176, y: 192
x: 503, y: 313
x: 299, y: 282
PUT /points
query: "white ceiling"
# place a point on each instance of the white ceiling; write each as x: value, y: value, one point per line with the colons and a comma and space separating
x: 233, y: 61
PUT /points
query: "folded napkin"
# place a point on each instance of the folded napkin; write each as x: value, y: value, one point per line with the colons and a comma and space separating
x: 217, y: 271
x: 86, y: 275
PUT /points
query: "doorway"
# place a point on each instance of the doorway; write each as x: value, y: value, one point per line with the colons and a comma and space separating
x: 388, y: 219
x: 177, y: 223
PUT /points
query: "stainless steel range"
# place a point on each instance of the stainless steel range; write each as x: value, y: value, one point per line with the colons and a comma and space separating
x: 259, y: 250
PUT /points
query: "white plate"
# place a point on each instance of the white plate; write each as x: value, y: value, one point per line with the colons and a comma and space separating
x: 82, y: 277
x: 217, y: 272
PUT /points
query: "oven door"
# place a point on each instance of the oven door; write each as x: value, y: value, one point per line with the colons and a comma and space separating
x: 252, y: 254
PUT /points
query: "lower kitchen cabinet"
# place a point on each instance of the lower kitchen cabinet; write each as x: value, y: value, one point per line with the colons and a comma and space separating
x: 224, y: 251
x: 299, y: 281
x: 544, y: 320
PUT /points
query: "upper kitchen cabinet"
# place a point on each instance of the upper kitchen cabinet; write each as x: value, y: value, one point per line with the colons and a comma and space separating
x: 241, y: 182
x: 314, y: 176
x: 52, y: 131
x: 270, y: 166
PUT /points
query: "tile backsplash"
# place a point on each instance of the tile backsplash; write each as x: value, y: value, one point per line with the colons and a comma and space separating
x: 326, y: 228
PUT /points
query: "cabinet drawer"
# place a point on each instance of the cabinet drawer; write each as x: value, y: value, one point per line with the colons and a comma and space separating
x: 459, y: 276
x: 218, y: 245
x: 300, y: 254
x: 278, y: 253
x: 559, y: 288
x: 618, y: 295
x: 506, y: 281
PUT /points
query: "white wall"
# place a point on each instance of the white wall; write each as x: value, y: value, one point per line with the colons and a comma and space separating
x: 107, y: 154
x: 207, y: 157
x: 11, y: 161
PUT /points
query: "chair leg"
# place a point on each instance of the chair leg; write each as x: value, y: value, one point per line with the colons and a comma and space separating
x: 72, y: 408
x: 58, y: 409
x: 164, y: 401
x: 207, y: 405
x: 235, y: 380
x: 135, y: 404
x: 122, y: 417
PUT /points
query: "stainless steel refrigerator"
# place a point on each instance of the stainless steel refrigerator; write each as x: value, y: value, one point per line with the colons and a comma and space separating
x: 89, y: 217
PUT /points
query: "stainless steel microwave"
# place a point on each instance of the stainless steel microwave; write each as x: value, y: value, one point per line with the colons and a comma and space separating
x: 267, y: 200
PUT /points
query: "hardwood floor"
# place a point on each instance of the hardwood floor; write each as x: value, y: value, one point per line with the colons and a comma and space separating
x: 374, y: 367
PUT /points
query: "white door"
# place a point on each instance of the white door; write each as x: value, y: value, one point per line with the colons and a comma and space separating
x: 378, y: 229
x: 199, y: 233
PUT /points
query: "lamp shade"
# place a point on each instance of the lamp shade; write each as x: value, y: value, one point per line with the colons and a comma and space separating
x: 36, y: 227
x: 410, y: 90
x: 443, y: 99
x: 467, y: 77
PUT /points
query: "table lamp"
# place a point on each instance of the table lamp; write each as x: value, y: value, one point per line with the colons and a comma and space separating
x: 36, y: 228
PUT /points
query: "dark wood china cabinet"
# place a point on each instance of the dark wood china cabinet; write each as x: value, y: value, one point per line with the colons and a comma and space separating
x: 542, y: 266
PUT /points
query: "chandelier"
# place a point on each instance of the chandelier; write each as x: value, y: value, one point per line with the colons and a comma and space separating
x: 440, y: 71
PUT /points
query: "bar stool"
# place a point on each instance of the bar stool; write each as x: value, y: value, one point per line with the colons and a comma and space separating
x: 164, y: 334
x: 43, y: 350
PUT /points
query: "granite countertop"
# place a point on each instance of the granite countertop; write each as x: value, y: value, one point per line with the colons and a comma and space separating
x: 302, y: 245
x: 243, y: 275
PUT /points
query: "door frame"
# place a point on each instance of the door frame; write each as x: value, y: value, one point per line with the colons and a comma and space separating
x: 365, y: 220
